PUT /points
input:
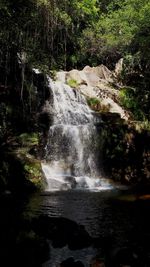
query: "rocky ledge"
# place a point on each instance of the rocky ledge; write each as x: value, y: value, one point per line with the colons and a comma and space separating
x: 97, y: 83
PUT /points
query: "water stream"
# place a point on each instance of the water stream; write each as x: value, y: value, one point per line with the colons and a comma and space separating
x: 72, y: 152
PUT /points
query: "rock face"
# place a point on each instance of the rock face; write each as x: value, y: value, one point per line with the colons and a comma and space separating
x: 97, y: 82
x: 90, y: 76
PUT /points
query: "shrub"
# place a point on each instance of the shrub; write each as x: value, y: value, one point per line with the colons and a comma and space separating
x: 72, y: 83
x: 129, y: 100
x: 96, y: 105
x: 27, y: 139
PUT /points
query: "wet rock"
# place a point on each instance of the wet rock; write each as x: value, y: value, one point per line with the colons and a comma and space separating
x: 111, y: 117
x: 97, y: 262
x: 71, y: 181
x: 78, y: 264
x: 62, y: 232
x: 71, y: 263
x: 97, y: 118
x: 79, y: 238
x: 67, y: 263
x: 125, y: 257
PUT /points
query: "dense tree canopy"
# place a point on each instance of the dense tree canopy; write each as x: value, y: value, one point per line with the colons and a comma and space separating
x: 55, y: 34
x: 66, y: 33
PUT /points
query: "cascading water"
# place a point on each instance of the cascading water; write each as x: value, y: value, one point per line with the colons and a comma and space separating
x: 72, y: 151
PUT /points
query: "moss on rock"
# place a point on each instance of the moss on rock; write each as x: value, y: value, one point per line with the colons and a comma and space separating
x: 20, y: 168
x: 26, y: 154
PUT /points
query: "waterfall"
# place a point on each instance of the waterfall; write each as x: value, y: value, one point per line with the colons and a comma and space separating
x: 72, y: 150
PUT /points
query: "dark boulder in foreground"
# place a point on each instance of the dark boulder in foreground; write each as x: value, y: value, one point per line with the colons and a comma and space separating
x: 70, y: 262
x: 62, y: 232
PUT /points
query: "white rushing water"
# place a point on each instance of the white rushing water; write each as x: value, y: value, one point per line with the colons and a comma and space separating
x: 72, y: 152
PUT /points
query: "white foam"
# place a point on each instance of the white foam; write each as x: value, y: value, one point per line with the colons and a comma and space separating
x: 57, y: 180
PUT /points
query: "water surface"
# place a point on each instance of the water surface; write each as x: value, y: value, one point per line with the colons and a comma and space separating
x: 115, y: 218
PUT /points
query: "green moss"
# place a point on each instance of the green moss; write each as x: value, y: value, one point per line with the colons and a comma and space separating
x: 72, y: 83
x: 129, y: 101
x: 96, y: 105
x: 28, y: 139
x: 126, y: 98
x: 33, y: 173
x: 53, y: 74
x: 93, y: 101
x: 31, y: 165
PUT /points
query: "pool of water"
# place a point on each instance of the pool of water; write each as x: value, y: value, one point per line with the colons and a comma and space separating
x: 117, y: 222
x: 117, y: 219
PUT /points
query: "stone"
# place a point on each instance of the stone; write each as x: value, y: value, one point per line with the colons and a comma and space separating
x: 119, y: 67
x: 95, y: 82
x: 97, y: 262
x: 76, y: 75
x: 70, y: 262
x: 62, y: 231
x: 125, y: 257
x: 101, y: 71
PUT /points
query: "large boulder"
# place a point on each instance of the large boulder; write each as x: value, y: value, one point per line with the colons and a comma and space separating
x: 77, y: 76
x: 90, y: 76
x: 62, y: 231
x: 70, y: 262
x: 101, y: 72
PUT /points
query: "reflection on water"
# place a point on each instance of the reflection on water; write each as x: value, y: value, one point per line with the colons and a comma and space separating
x: 84, y: 255
x: 101, y: 213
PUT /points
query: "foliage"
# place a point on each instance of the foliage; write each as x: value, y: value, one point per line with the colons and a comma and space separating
x: 31, y: 166
x: 28, y: 139
x: 96, y: 105
x: 142, y: 126
x: 75, y: 32
x: 72, y: 83
x: 93, y: 101
x: 129, y: 101
x: 33, y: 173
